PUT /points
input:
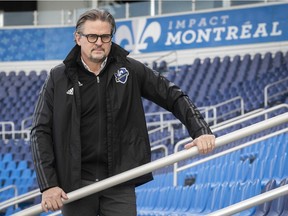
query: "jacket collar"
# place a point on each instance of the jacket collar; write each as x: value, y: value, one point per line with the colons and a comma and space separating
x: 117, y: 54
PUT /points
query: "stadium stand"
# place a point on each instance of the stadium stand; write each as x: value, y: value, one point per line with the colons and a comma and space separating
x: 258, y: 81
x: 239, y: 179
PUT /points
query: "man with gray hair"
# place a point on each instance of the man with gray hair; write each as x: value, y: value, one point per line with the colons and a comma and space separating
x: 89, y: 122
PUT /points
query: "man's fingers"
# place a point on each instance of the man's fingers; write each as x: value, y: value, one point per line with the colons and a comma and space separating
x: 201, y: 147
x: 44, y: 206
x: 57, y: 204
x: 190, y: 145
x: 205, y: 143
x: 64, y: 195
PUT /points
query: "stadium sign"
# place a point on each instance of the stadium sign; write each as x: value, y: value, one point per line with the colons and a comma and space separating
x: 242, y: 26
x: 260, y: 24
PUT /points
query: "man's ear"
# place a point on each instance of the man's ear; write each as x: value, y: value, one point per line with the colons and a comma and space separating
x: 77, y: 38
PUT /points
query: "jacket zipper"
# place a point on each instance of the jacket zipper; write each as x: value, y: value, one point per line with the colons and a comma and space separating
x: 98, y: 79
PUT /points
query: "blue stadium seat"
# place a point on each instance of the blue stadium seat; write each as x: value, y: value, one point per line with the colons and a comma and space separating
x: 3, y: 93
x: 264, y: 208
x: 184, y: 200
x: 266, y: 63
x: 285, y: 206
x: 213, y: 199
x: 7, y: 157
x: 22, y: 165
x: 278, y: 205
x: 251, y: 189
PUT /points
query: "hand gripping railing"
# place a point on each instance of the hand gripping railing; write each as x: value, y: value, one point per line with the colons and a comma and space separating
x: 182, y: 155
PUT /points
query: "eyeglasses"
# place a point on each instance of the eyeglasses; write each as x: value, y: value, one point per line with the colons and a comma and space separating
x: 92, y: 38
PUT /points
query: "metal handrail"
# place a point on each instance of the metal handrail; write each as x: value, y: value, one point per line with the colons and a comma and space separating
x: 237, y: 118
x: 14, y: 134
x: 227, y: 102
x: 9, y: 187
x: 25, y: 131
x: 161, y: 128
x: 149, y: 167
x: 4, y: 132
x: 23, y: 122
x: 19, y: 199
x: 164, y: 147
x: 272, y: 109
x: 266, y: 98
x: 203, y: 110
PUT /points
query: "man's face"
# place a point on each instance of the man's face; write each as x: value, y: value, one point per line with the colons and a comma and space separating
x: 97, y: 51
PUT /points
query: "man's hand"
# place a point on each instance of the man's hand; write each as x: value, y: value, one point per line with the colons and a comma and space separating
x: 205, y: 143
x: 52, y: 199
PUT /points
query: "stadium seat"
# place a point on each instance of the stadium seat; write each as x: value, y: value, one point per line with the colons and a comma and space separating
x: 250, y: 189
x: 264, y: 208
x: 285, y: 206
x: 278, y: 205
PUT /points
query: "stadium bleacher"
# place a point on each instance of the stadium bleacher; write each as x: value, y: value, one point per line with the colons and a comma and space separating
x: 218, y: 83
x: 20, y: 94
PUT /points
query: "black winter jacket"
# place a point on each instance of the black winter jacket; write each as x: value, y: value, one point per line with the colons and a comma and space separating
x: 55, y: 134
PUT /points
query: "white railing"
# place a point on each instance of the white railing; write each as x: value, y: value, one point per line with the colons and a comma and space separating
x: 19, y: 199
x: 11, y: 187
x: 5, y: 132
x: 160, y: 118
x: 163, y: 147
x: 249, y: 117
x: 24, y: 122
x: 15, y: 134
x: 210, y: 113
x: 170, y: 137
x: 237, y: 118
x: 266, y: 94
x: 24, y: 133
x: 170, y: 159
x: 216, y: 116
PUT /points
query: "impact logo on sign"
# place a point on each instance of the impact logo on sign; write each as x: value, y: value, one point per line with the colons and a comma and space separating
x: 135, y: 37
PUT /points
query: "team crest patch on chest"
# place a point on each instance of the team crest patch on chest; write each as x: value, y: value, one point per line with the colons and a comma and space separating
x: 121, y: 75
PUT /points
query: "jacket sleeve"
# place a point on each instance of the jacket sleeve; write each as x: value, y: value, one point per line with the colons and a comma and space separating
x: 169, y: 96
x: 41, y: 137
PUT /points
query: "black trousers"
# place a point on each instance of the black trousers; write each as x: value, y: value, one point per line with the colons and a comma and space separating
x: 115, y: 201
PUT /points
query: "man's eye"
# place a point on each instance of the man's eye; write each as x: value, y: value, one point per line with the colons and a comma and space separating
x: 93, y: 37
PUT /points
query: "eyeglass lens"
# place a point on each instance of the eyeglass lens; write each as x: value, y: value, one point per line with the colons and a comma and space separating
x: 92, y: 38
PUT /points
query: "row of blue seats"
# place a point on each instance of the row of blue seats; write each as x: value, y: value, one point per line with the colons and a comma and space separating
x: 201, y: 199
x: 263, y: 160
x: 20, y: 91
x: 251, y: 67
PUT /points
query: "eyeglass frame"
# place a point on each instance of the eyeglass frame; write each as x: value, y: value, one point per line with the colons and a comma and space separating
x: 97, y: 36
